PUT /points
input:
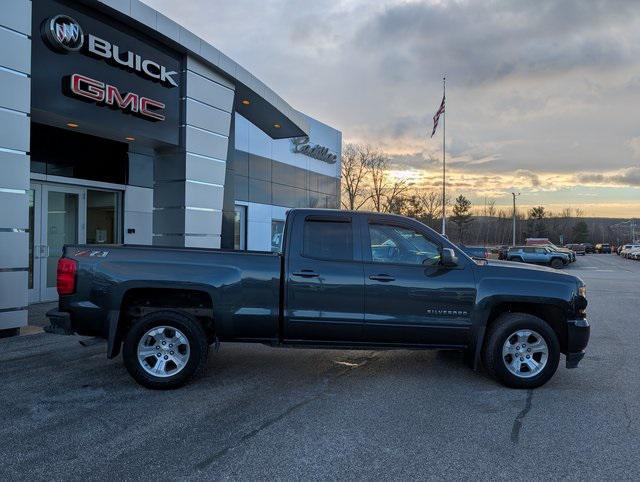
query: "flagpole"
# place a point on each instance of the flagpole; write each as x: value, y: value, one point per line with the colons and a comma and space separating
x: 444, y: 169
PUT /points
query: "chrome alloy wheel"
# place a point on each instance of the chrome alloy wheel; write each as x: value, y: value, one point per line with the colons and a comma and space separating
x: 163, y: 351
x: 525, y: 353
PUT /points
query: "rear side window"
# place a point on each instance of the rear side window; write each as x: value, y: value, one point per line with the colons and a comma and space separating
x: 328, y: 240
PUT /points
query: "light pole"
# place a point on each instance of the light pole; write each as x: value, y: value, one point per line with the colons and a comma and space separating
x: 514, y: 194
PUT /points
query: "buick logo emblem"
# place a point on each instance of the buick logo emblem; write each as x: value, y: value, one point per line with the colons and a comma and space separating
x: 63, y: 33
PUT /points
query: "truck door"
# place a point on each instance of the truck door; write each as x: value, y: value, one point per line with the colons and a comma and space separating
x: 324, y: 292
x: 410, y: 298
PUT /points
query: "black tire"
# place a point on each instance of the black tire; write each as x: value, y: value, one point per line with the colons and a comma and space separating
x: 557, y: 263
x: 502, y: 328
x: 198, y: 349
x: 9, y: 333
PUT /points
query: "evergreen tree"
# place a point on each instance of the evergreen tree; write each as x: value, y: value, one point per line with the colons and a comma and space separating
x: 580, y: 232
x: 461, y: 214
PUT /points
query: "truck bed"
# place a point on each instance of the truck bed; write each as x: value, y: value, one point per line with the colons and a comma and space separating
x: 243, y: 286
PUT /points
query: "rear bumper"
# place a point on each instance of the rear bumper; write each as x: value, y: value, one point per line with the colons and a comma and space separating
x: 578, y: 332
x: 60, y: 323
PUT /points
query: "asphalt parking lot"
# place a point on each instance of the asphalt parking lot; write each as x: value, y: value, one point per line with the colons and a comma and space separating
x: 262, y: 413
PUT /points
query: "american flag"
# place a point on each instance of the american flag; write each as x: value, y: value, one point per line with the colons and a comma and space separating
x: 436, y: 117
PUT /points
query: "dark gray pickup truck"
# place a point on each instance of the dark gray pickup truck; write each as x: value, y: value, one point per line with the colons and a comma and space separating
x: 343, y: 280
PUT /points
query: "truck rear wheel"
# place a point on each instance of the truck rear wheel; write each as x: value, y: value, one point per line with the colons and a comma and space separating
x: 521, y: 351
x: 165, y: 349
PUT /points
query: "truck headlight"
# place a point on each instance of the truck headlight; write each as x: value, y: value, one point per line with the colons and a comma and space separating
x: 581, y: 300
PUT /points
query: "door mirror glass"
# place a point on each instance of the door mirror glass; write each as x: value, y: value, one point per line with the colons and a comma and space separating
x: 448, y: 257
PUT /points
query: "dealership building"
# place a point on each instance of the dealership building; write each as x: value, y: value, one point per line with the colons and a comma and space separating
x: 117, y: 125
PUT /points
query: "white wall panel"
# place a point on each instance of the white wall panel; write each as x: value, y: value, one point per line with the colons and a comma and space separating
x: 14, y: 211
x: 138, y: 199
x: 14, y: 249
x: 14, y: 169
x: 14, y: 131
x: 209, y: 92
x: 206, y: 143
x: 142, y: 223
x: 13, y: 319
x: 16, y: 91
x: 15, y: 53
x: 13, y: 292
x: 15, y: 104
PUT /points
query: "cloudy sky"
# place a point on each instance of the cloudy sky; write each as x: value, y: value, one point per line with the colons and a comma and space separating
x: 543, y: 97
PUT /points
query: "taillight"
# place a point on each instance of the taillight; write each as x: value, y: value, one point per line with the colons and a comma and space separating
x: 66, y: 276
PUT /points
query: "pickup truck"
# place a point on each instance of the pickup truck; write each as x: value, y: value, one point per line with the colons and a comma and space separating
x: 350, y: 280
x: 538, y: 255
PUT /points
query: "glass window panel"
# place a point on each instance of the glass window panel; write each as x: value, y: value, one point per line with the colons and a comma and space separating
x: 32, y: 213
x: 259, y: 191
x: 259, y: 168
x: 277, y: 232
x: 394, y: 244
x: 239, y: 232
x: 241, y: 188
x: 62, y: 228
x: 101, y: 217
x: 328, y: 240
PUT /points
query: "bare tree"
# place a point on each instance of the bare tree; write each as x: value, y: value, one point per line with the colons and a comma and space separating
x: 356, y: 160
x: 384, y: 193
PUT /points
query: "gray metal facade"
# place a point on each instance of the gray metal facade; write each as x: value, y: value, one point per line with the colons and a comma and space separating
x: 178, y: 196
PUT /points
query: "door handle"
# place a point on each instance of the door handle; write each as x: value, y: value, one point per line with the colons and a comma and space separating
x: 381, y: 277
x: 305, y: 273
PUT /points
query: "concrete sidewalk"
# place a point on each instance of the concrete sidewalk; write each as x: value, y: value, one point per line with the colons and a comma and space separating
x: 37, y: 318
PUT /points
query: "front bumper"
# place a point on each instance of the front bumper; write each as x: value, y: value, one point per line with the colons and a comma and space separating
x: 578, y: 332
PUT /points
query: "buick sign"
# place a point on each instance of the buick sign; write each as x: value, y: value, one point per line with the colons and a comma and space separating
x: 63, y: 34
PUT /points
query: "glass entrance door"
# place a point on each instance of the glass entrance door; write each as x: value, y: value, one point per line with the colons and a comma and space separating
x: 56, y: 217
x: 59, y: 215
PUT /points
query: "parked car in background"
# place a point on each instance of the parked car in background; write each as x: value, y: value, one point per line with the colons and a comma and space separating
x: 628, y: 249
x: 538, y: 255
x: 577, y: 248
x: 550, y: 245
x: 603, y: 248
x: 589, y: 248
x: 635, y: 254
x: 502, y: 251
x: 623, y: 247
x: 479, y: 252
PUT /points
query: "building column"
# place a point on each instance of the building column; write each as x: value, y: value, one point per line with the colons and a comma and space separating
x: 15, y: 107
x: 189, y: 183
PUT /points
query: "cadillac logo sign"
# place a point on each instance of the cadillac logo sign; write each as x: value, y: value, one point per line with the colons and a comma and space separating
x: 63, y: 33
x: 301, y: 145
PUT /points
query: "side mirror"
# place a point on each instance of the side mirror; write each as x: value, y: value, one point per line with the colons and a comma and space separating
x: 448, y: 258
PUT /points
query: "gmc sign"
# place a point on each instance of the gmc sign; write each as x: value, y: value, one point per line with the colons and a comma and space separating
x: 88, y: 88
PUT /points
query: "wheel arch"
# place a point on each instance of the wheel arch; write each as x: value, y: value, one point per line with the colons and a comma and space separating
x: 136, y: 300
x: 552, y: 312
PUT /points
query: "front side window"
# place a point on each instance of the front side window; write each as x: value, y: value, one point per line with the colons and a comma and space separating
x: 331, y: 240
x: 395, y: 244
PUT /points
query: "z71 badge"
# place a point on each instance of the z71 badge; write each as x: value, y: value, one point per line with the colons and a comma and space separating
x: 92, y: 253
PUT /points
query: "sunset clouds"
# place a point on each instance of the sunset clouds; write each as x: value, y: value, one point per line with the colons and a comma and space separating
x: 542, y: 96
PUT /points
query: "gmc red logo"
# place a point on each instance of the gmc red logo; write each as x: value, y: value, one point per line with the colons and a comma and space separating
x: 101, y: 93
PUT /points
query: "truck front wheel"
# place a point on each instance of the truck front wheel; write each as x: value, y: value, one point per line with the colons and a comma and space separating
x: 521, y: 351
x: 165, y: 349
